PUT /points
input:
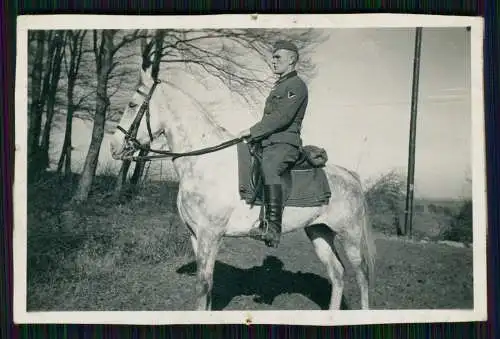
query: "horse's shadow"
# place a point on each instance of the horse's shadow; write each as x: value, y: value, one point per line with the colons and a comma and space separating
x: 265, y: 282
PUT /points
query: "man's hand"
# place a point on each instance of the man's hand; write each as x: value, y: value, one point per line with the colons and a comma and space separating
x: 244, y: 134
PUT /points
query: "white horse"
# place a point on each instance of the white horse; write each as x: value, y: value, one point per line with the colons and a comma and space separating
x: 209, y: 204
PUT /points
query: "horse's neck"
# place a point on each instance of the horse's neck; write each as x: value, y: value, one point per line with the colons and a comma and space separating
x: 190, y: 130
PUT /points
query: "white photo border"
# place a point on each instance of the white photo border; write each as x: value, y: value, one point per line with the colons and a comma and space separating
x: 302, y: 317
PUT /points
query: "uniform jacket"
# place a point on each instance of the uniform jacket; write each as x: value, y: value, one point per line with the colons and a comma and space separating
x: 283, y: 112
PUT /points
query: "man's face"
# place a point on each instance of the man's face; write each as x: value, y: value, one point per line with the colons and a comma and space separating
x: 282, y: 61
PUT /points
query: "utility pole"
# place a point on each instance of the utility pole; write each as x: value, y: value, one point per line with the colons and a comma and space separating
x: 413, y: 128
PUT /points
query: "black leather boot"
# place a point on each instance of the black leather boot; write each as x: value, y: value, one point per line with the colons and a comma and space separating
x: 270, y: 228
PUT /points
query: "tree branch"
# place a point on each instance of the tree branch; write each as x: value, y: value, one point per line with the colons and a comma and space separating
x: 130, y: 38
x: 80, y: 50
x: 83, y: 98
x: 96, y: 51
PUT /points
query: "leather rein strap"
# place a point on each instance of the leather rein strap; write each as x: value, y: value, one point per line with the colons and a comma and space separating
x: 174, y: 155
x: 131, y: 134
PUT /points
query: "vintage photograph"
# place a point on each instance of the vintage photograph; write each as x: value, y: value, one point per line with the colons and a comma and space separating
x: 294, y: 165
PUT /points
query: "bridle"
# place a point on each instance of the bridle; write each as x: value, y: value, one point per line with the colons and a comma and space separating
x: 131, y: 134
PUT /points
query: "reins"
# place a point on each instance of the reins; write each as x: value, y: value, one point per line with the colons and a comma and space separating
x: 174, y: 155
x: 132, y: 132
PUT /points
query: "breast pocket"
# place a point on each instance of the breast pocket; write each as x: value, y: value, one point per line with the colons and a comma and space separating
x: 275, y: 101
x: 272, y: 103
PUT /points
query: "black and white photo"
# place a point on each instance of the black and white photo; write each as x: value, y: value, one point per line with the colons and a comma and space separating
x: 302, y: 169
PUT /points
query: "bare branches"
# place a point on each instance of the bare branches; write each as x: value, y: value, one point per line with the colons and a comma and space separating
x: 129, y: 38
x: 239, y: 59
x: 79, y: 46
x: 96, y: 49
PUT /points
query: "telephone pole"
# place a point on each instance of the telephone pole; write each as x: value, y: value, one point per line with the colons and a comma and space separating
x: 413, y: 128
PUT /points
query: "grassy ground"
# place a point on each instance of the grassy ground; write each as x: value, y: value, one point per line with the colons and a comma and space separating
x: 136, y: 256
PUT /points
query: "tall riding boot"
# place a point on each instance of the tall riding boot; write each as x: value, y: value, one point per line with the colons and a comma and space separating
x: 274, y: 214
x: 270, y: 228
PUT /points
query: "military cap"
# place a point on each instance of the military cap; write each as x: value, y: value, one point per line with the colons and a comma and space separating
x: 283, y: 44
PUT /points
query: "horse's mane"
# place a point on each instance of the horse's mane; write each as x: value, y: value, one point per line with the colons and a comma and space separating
x: 223, y: 132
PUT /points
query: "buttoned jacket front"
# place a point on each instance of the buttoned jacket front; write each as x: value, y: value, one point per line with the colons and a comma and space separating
x: 283, y: 112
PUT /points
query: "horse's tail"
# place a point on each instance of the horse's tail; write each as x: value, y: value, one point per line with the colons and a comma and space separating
x: 368, y: 251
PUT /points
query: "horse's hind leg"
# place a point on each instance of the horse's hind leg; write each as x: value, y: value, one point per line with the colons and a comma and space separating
x: 206, y: 253
x: 354, y: 255
x: 357, y: 246
x: 322, y: 238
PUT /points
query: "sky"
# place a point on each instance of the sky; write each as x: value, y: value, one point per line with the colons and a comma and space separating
x: 359, y: 107
x: 363, y: 94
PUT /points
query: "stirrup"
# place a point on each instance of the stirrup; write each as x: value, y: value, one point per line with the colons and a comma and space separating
x: 263, y: 233
x: 260, y: 231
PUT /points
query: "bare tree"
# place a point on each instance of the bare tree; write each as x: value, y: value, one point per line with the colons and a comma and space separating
x: 76, y: 50
x: 224, y: 54
x: 41, y: 72
x: 55, y: 75
x: 35, y: 116
x: 105, y: 49
x: 44, y: 76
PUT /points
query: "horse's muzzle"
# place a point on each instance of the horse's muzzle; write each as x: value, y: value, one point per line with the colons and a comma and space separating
x: 126, y: 151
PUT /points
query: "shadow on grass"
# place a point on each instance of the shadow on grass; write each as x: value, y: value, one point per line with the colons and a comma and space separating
x: 265, y: 282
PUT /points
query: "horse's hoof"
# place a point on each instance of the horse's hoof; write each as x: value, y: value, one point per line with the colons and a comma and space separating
x: 274, y: 243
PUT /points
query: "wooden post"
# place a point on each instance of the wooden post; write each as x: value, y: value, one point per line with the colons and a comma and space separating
x: 413, y: 128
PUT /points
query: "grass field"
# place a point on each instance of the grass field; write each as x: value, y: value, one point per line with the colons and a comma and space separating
x: 135, y: 256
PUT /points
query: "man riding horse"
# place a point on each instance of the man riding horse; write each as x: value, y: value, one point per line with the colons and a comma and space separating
x: 278, y: 135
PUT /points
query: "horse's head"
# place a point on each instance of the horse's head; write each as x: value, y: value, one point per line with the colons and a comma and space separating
x: 141, y: 121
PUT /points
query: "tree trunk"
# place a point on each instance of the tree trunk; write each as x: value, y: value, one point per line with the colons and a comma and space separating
x: 34, y: 122
x: 138, y: 170
x: 104, y: 62
x: 35, y: 154
x: 51, y: 99
x: 76, y: 52
x: 92, y: 158
x: 122, y: 177
x: 65, y: 159
x: 138, y: 173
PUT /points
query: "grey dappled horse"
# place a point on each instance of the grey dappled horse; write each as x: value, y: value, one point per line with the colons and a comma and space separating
x: 209, y: 204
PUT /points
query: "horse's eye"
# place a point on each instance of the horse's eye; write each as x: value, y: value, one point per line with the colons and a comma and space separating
x: 132, y: 104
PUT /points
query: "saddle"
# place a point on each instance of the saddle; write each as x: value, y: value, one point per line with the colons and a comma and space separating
x: 311, y: 157
x: 305, y: 185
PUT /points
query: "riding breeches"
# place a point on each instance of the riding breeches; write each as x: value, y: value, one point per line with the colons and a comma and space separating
x: 276, y: 160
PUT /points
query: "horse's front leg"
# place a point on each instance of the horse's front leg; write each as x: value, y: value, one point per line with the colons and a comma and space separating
x: 207, y: 248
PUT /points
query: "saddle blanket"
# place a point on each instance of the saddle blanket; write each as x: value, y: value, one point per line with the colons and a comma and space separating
x: 308, y: 188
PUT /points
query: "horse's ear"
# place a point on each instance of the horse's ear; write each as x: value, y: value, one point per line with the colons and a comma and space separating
x: 145, y: 76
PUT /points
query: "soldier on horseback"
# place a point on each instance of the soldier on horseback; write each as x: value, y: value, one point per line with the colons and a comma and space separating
x: 307, y: 191
x: 278, y: 135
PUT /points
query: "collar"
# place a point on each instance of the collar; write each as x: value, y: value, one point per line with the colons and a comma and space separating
x: 286, y: 76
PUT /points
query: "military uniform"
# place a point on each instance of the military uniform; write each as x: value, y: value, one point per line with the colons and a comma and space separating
x: 279, y: 136
x: 279, y: 130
